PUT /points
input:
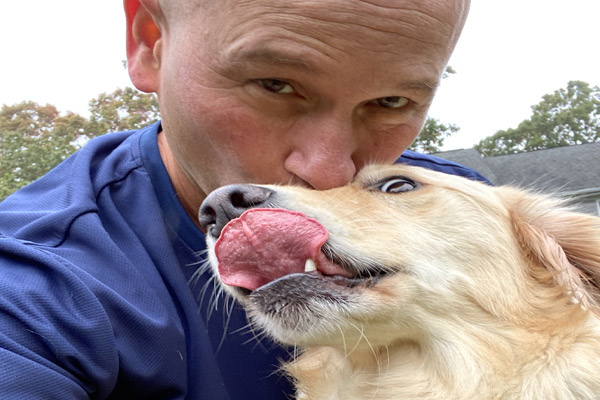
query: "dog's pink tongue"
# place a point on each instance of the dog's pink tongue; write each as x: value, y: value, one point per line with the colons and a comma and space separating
x: 265, y: 244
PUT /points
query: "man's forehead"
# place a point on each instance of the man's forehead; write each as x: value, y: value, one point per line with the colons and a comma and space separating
x: 436, y: 22
x: 446, y: 11
x: 452, y: 8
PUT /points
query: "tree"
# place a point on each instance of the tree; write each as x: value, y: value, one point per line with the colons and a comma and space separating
x: 121, y: 110
x: 566, y: 117
x: 431, y: 138
x: 35, y: 138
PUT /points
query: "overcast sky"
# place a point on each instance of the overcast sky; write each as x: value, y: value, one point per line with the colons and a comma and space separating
x: 512, y: 52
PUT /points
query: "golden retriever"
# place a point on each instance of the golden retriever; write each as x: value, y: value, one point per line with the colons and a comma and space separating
x: 418, y: 285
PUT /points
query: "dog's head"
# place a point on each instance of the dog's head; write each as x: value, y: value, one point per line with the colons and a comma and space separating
x: 400, y: 254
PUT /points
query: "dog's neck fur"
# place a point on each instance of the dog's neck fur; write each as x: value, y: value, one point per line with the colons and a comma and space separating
x: 452, y: 367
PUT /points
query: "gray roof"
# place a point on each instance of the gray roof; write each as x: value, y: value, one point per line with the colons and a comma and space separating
x: 564, y: 169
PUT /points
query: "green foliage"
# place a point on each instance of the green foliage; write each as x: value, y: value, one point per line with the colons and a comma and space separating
x: 122, y: 110
x: 431, y: 138
x: 35, y: 138
x: 566, y: 117
x: 448, y: 71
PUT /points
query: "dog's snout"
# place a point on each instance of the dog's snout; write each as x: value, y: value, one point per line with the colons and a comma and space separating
x: 229, y: 202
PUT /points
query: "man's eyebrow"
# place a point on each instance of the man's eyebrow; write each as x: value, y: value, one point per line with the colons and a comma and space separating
x: 422, y: 85
x: 282, y: 58
x: 273, y: 57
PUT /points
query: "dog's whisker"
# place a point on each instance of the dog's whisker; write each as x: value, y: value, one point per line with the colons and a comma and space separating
x: 203, y: 290
x: 387, y: 351
x: 203, y: 267
x: 202, y: 255
x: 357, y: 344
x: 256, y: 337
x: 376, y: 356
x: 244, y: 330
x: 216, y: 296
x: 226, y: 321
x: 343, y: 340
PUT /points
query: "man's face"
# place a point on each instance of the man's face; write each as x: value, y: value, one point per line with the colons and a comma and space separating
x: 303, y: 92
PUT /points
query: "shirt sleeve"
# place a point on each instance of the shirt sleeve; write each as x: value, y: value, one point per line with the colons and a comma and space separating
x: 56, y: 341
x: 441, y: 165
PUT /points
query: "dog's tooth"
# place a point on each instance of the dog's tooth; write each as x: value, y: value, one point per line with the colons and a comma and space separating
x: 310, y: 266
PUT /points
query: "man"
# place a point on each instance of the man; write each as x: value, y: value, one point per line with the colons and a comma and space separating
x: 101, y: 294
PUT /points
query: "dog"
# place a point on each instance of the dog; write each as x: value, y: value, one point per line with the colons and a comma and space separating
x: 413, y: 284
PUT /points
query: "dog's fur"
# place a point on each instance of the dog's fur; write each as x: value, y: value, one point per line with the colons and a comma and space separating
x: 488, y: 293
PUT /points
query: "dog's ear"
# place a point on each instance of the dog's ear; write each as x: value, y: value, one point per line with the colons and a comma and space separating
x: 564, y: 242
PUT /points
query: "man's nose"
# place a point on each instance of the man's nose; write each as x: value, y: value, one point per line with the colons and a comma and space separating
x: 323, y: 152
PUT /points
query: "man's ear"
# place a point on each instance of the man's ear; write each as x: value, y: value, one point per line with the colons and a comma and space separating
x: 143, y: 45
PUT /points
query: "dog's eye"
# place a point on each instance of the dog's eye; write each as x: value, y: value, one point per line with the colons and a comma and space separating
x: 397, y: 185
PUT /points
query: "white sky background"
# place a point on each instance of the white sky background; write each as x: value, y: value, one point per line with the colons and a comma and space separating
x: 511, y: 53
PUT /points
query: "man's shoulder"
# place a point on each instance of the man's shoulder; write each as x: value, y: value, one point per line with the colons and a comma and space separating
x: 429, y: 161
x: 90, y: 269
x: 44, y: 210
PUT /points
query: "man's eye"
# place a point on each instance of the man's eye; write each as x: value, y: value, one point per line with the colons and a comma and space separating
x: 275, y: 86
x: 391, y: 101
x: 397, y: 185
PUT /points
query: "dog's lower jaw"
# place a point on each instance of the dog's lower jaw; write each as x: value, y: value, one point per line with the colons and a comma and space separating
x: 447, y: 366
x: 511, y: 362
x: 298, y: 307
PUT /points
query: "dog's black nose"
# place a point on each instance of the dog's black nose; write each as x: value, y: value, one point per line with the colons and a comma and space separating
x: 229, y: 202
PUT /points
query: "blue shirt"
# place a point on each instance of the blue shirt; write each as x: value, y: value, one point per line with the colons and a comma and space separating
x: 102, y: 294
